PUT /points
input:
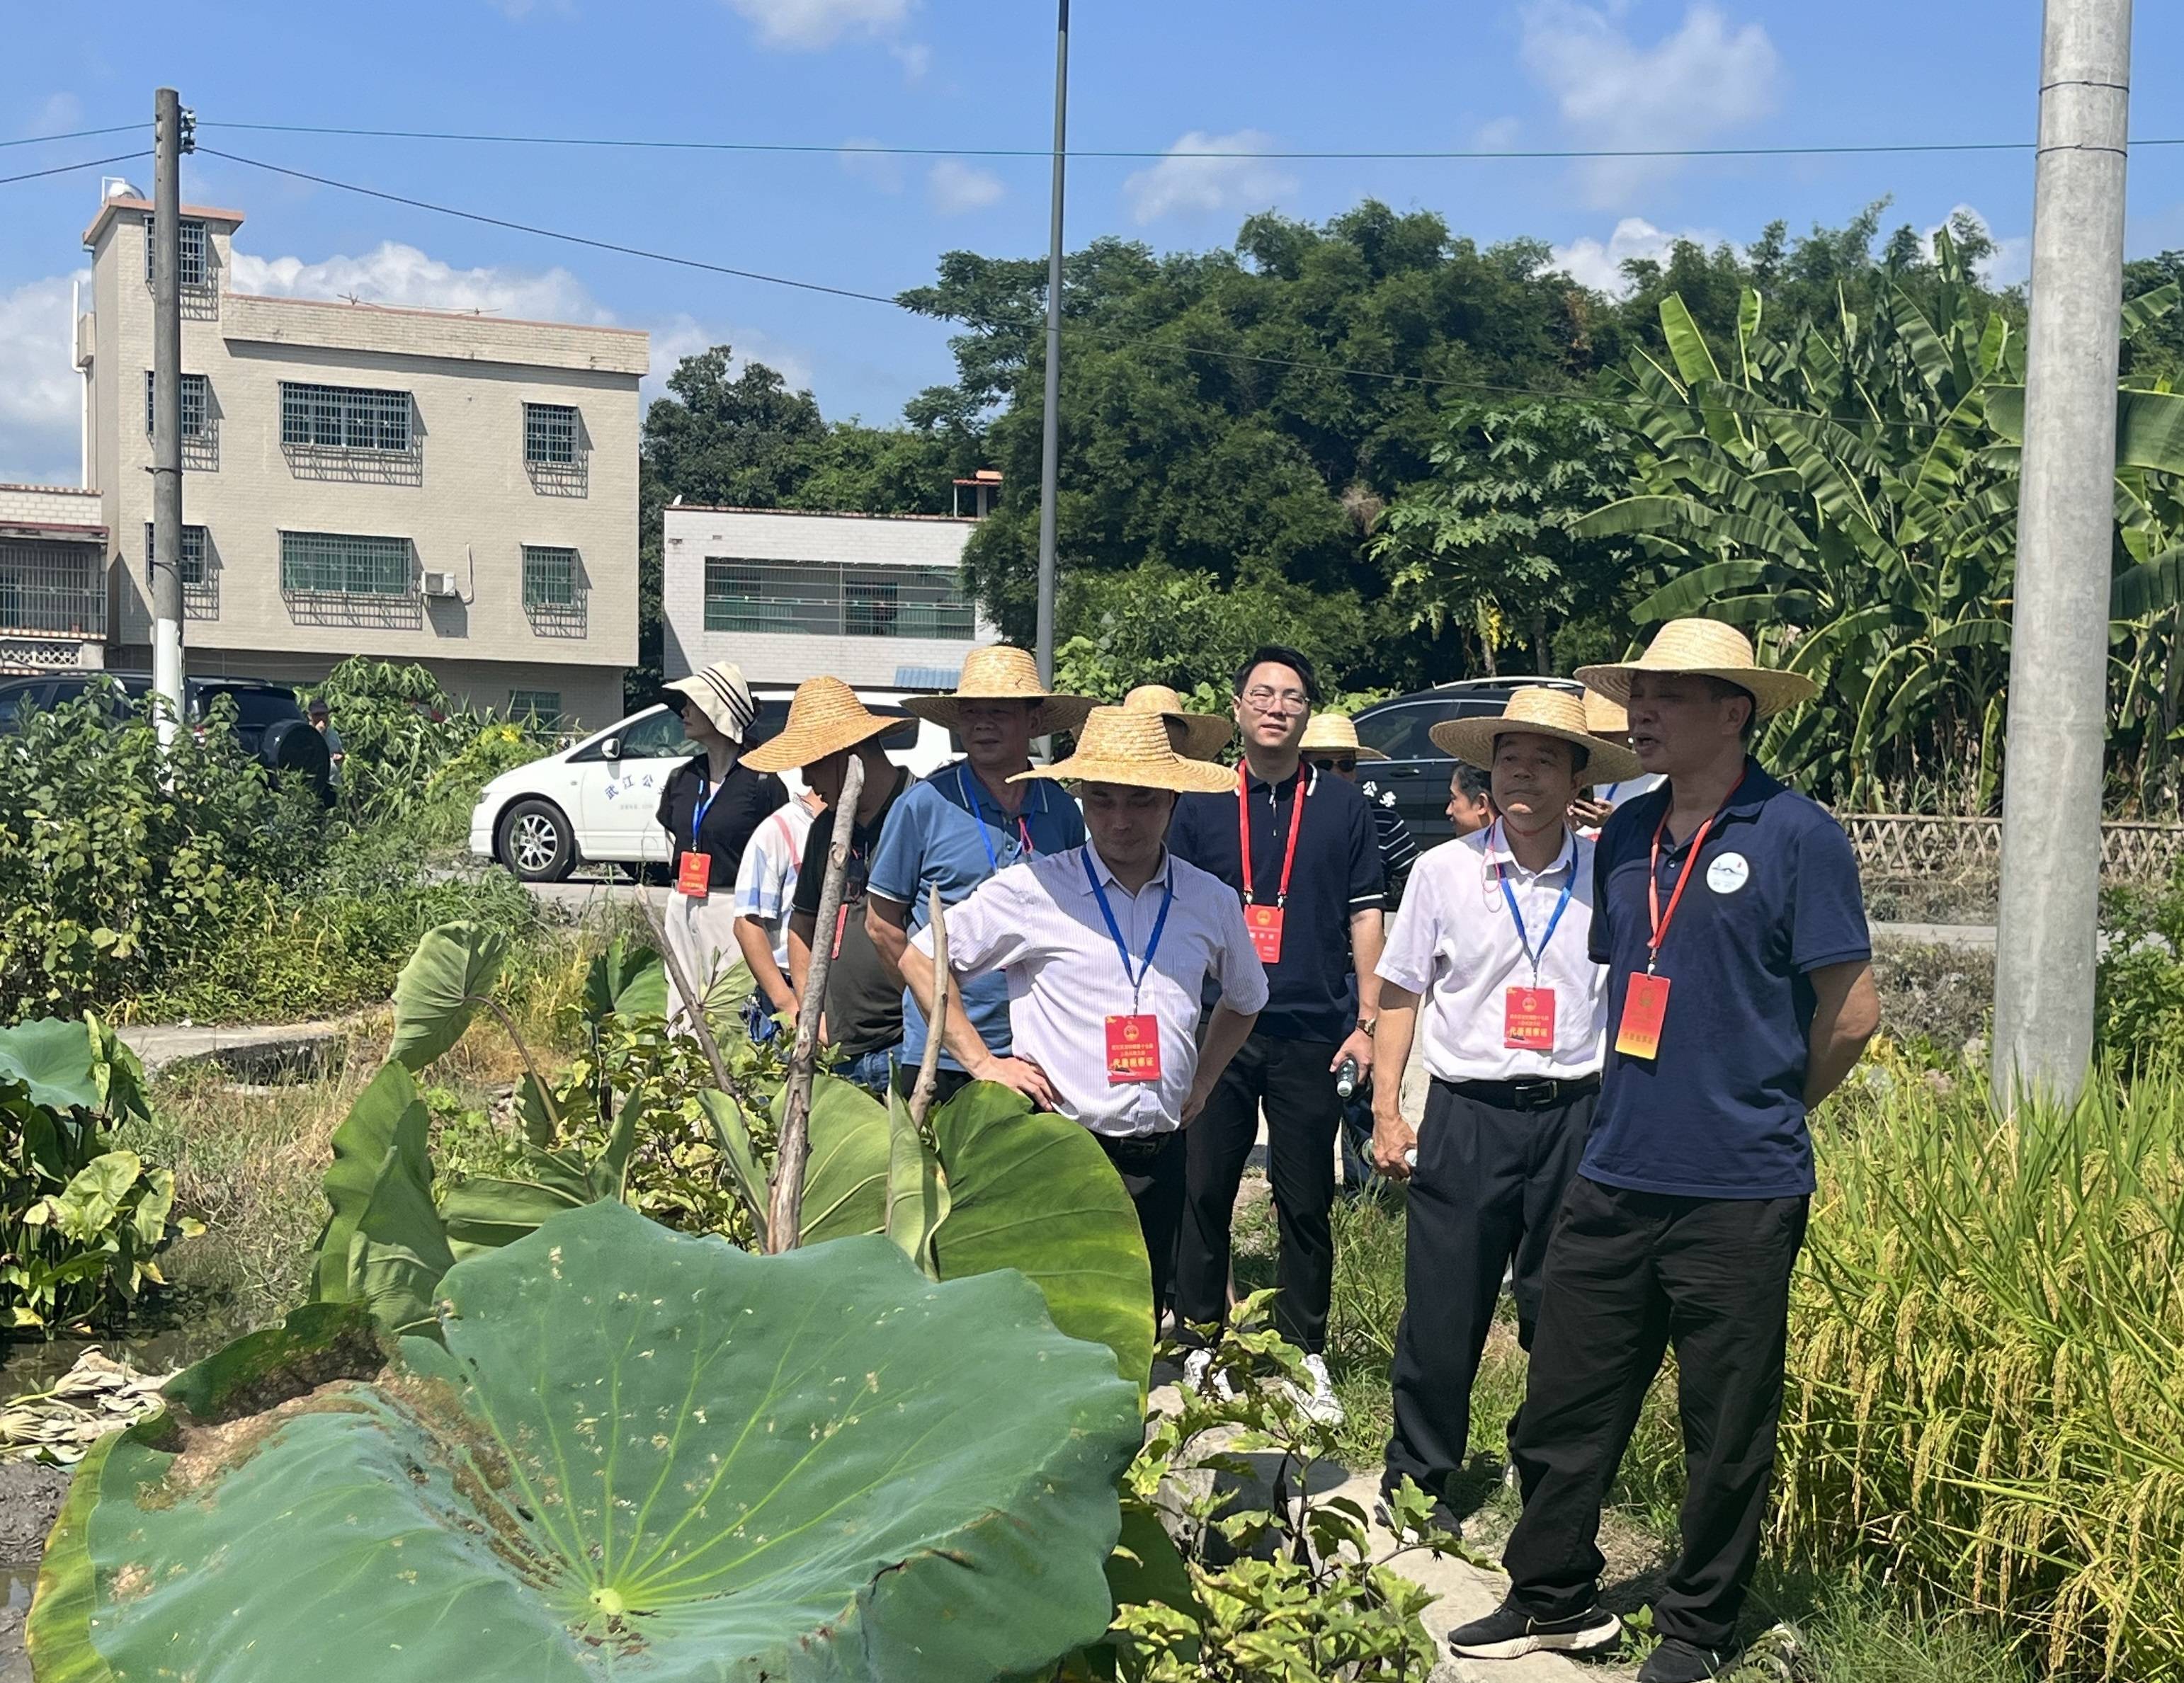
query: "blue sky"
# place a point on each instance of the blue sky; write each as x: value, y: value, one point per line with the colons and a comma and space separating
x: 1185, y: 76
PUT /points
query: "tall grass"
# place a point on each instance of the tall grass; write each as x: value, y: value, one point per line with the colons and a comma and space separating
x: 1986, y: 1376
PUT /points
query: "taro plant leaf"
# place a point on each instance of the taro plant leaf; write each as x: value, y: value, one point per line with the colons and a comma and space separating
x: 484, y: 1213
x: 449, y: 976
x: 1035, y: 1192
x: 638, y: 1454
x: 534, y: 1115
x: 51, y: 1059
x: 399, y: 1249
x: 845, y: 1182
x: 918, y: 1195
x: 626, y: 981
x: 389, y: 1107
x: 731, y: 1133
x: 87, y: 1206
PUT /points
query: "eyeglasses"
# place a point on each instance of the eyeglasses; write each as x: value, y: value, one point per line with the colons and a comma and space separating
x: 1262, y: 699
x: 1335, y: 762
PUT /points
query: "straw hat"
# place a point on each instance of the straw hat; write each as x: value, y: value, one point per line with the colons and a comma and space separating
x: 824, y: 718
x: 721, y: 696
x: 1604, y: 717
x: 1118, y: 745
x: 1002, y: 672
x: 1334, y: 734
x: 1536, y: 711
x: 1203, y: 734
x: 1704, y: 648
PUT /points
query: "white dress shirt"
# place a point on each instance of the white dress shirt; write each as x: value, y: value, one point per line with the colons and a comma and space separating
x: 1455, y: 946
x: 1038, y: 922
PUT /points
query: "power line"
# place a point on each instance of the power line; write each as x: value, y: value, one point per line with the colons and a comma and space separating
x: 858, y: 148
x: 65, y: 169
x: 73, y: 134
x: 1083, y: 329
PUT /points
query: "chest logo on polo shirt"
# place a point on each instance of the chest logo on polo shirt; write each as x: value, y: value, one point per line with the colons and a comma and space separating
x: 1729, y: 872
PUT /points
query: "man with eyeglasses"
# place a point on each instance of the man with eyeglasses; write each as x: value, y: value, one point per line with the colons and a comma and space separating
x: 1299, y: 849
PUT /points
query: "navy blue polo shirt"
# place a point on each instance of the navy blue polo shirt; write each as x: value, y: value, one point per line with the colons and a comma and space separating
x: 1310, y: 994
x: 1773, y: 897
x: 949, y: 834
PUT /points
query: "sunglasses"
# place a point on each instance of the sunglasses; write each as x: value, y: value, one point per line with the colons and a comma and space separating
x: 1334, y: 762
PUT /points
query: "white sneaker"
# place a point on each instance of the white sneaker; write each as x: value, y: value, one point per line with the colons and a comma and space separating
x: 1322, y: 1405
x: 1198, y: 1375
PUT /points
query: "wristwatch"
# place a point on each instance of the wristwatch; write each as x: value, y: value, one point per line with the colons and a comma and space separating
x: 1366, y: 1025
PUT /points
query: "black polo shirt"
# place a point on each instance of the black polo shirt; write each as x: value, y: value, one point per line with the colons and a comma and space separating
x: 1773, y: 896
x: 864, y: 999
x: 1310, y: 989
x: 745, y: 798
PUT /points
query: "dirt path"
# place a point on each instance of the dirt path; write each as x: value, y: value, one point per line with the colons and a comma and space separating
x: 30, y: 1498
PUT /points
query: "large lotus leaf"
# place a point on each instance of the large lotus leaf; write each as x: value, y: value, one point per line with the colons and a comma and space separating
x: 440, y: 989
x: 640, y: 1456
x: 387, y: 1113
x: 1035, y: 1192
x: 51, y: 1058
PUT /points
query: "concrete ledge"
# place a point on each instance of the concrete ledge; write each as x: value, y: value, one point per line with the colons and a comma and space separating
x: 248, y: 1051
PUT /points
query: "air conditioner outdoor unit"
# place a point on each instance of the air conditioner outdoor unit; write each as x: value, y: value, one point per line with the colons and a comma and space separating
x: 441, y: 584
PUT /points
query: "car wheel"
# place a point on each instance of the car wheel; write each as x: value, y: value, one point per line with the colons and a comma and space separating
x: 534, y: 842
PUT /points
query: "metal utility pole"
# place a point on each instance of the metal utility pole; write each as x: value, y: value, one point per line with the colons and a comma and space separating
x: 169, y: 141
x: 2051, y: 812
x: 1050, y: 450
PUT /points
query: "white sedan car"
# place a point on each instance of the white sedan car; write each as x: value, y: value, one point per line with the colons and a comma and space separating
x: 593, y: 803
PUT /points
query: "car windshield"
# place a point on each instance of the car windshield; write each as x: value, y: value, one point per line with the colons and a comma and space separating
x: 254, y: 709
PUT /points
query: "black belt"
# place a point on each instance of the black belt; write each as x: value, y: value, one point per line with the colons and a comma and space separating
x: 1528, y: 1092
x: 1137, y: 1151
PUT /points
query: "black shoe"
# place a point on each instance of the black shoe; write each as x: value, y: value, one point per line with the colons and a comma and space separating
x: 1509, y: 1633
x: 1677, y: 1661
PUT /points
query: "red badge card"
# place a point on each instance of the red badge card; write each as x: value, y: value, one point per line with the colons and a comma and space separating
x: 1133, y: 1049
x: 1638, y: 1033
x: 694, y: 874
x: 1528, y: 1019
x: 1265, y: 924
x: 841, y: 924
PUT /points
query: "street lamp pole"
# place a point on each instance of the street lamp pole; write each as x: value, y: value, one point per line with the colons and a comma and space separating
x: 1050, y: 450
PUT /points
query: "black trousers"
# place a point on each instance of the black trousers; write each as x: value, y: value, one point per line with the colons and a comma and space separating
x: 1628, y: 1274
x: 1152, y: 1168
x: 1291, y: 1079
x: 1483, y: 1199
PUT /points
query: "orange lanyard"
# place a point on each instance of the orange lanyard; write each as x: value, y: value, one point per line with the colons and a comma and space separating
x: 1661, y: 921
x: 1244, y: 834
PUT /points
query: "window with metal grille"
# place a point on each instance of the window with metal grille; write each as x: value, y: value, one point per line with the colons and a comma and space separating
x: 549, y: 434
x: 192, y: 568
x: 196, y: 404
x: 832, y: 599
x: 550, y: 576
x: 540, y: 707
x: 196, y: 252
x: 345, y: 418
x: 344, y: 563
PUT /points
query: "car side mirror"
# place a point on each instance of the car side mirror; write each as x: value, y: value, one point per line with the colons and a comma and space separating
x: 611, y: 748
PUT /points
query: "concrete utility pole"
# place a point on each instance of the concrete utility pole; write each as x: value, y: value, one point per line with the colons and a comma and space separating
x: 169, y: 142
x: 1050, y: 450
x: 2051, y: 812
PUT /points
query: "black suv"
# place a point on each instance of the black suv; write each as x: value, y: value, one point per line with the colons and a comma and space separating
x: 1415, y: 771
x: 269, y: 720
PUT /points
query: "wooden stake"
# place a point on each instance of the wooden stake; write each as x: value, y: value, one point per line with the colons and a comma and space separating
x: 929, y: 1066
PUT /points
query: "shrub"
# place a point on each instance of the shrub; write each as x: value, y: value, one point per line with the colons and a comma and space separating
x: 2139, y: 1001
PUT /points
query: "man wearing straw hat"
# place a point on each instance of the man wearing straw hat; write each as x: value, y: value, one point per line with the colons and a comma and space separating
x: 862, y: 1012
x: 1195, y: 736
x: 1105, y: 949
x: 1606, y: 719
x: 1728, y: 912
x: 1489, y: 957
x: 961, y: 825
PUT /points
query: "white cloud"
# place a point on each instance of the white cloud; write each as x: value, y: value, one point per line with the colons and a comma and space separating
x: 876, y: 169
x: 41, y: 393
x: 1692, y: 88
x: 2008, y: 265
x: 806, y: 26
x: 1188, y: 182
x: 1498, y: 136
x: 57, y: 113
x: 401, y: 274
x: 684, y: 335
x: 1598, y: 264
x: 956, y: 188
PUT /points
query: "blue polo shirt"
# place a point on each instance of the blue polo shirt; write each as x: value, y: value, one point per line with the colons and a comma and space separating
x: 1311, y: 988
x: 939, y: 835
x: 1773, y: 897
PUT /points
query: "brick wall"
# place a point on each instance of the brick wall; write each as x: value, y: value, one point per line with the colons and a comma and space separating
x: 48, y: 506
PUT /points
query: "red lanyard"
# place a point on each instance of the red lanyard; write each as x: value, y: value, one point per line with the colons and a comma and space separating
x: 1653, y: 883
x: 1244, y: 834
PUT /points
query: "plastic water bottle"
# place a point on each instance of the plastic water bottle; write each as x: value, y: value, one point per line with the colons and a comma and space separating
x: 1345, y: 1078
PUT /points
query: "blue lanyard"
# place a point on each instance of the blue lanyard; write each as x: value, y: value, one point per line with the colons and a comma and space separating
x: 1516, y: 917
x: 698, y: 817
x: 1115, y: 930
x: 978, y: 816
